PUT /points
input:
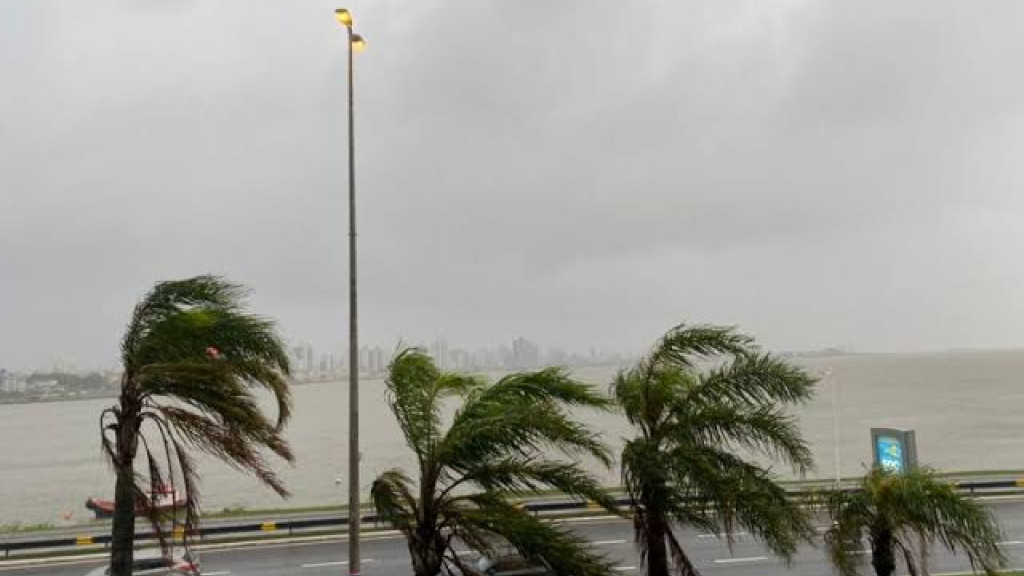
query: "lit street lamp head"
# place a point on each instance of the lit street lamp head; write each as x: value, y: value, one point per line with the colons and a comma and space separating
x: 358, y: 43
x: 343, y: 16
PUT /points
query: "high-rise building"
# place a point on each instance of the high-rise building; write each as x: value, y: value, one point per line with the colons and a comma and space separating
x: 439, y: 351
x: 366, y: 360
x: 379, y: 361
x: 11, y: 383
x: 296, y: 355
x: 525, y: 354
x: 309, y: 357
x: 480, y: 359
x: 556, y: 357
x: 458, y: 360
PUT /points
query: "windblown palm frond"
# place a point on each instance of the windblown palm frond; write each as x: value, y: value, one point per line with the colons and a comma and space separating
x: 683, y: 467
x: 496, y: 447
x: 891, y: 510
x: 193, y: 362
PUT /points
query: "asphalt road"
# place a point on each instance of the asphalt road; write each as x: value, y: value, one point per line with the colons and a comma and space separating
x: 387, y: 556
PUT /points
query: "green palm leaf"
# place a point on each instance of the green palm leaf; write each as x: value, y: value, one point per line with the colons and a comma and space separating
x: 891, y: 510
x: 193, y: 361
x: 682, y: 468
x: 498, y: 444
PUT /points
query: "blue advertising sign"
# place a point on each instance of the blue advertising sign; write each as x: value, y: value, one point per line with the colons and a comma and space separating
x: 890, y: 453
x: 893, y: 449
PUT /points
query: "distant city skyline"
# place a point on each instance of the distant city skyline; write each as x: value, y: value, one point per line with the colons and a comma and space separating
x: 59, y: 380
x: 518, y: 353
x: 308, y: 357
x: 456, y: 355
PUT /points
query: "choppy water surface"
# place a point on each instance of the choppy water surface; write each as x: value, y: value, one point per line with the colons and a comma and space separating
x: 966, y: 407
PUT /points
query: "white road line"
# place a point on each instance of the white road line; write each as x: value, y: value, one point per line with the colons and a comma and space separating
x: 1011, y: 543
x: 732, y: 560
x: 625, y: 568
x: 221, y: 573
x: 607, y: 542
x: 337, y: 563
x: 322, y: 564
x: 716, y: 536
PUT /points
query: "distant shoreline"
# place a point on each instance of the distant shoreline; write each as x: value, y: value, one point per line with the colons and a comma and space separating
x: 790, y: 355
x: 81, y: 398
x: 5, y: 401
x: 17, y: 401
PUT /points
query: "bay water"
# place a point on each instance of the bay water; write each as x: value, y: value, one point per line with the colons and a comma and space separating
x: 967, y: 409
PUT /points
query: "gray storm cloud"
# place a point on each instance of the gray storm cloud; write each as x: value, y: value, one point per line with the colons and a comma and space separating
x: 582, y: 173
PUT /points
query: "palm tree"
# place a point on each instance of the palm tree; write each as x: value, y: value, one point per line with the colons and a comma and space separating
x: 687, y: 464
x: 893, y: 509
x: 192, y: 359
x: 496, y: 446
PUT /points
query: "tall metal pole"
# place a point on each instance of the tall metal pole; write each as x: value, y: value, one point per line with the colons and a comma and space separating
x: 354, y: 508
x: 835, y: 423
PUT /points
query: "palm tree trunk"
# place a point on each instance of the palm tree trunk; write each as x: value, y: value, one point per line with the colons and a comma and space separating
x: 122, y: 538
x: 923, y: 562
x: 883, y: 553
x: 122, y: 532
x: 657, y: 548
x: 426, y: 557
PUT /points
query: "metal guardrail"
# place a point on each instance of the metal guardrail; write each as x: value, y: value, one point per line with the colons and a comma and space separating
x: 973, y: 487
x: 270, y: 526
x: 290, y: 526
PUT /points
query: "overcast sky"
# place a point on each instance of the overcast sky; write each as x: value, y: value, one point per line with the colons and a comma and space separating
x: 578, y: 172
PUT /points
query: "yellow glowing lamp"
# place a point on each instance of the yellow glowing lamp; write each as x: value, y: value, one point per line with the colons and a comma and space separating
x: 358, y: 43
x: 343, y: 16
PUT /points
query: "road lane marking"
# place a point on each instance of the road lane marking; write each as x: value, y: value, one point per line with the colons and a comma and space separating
x: 1011, y: 543
x: 1012, y: 570
x: 717, y: 536
x: 608, y: 542
x: 221, y: 573
x: 336, y: 563
x: 625, y: 568
x: 733, y: 560
x: 583, y: 519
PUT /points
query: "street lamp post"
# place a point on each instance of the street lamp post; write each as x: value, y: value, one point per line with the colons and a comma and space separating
x: 835, y: 422
x: 355, y: 42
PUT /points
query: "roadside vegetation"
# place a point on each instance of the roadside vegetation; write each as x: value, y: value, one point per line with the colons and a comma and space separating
x: 707, y: 408
x: 502, y: 442
x: 192, y: 360
x: 18, y: 527
x: 893, y: 514
x: 684, y: 466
